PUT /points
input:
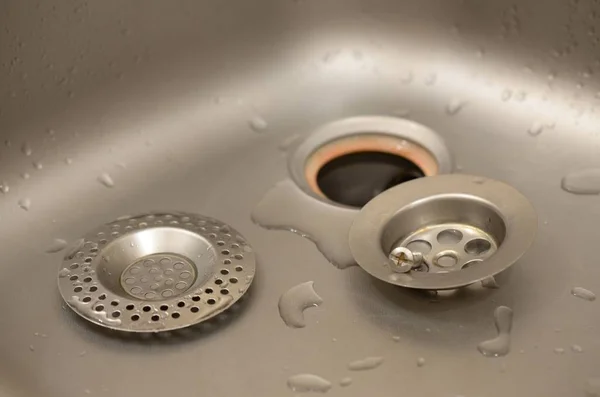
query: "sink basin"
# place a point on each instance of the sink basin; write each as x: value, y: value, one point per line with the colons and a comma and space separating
x: 115, y: 108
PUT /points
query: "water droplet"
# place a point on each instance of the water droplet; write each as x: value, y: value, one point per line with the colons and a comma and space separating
x: 365, y: 363
x: 536, y: 128
x: 258, y: 124
x: 404, y: 113
x: 303, y: 383
x: 358, y: 55
x: 506, y: 95
x: 31, y: 348
x: 26, y: 149
x: 64, y: 272
x: 420, y: 362
x: 521, y: 96
x: 293, y: 303
x: 584, y: 294
x: 25, y: 203
x: 396, y: 338
x: 345, y: 382
x: 286, y: 207
x: 407, y: 78
x: 559, y: 350
x: 4, y: 188
x: 592, y: 387
x: 40, y: 335
x: 577, y: 349
x: 585, y: 181
x: 77, y: 245
x: 68, y: 161
x: 25, y: 175
x: 430, y: 79
x: 57, y: 245
x: 500, y: 345
x: 401, y: 278
x: 87, y: 309
x: 106, y: 180
x: 489, y: 282
x: 330, y: 56
x: 454, y: 106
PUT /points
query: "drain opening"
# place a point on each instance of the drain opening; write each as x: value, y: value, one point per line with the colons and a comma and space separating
x: 349, y: 162
x: 354, y: 179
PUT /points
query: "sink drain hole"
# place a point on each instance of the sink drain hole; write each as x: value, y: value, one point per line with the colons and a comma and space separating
x: 354, y: 179
x: 350, y: 161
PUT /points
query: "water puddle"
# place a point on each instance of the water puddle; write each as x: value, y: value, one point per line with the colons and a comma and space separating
x: 586, y: 181
x: 56, y: 246
x: 500, y: 345
x: 584, y: 294
x: 365, y: 364
x: 293, y: 303
x: 106, y: 180
x: 303, y: 383
x: 286, y: 207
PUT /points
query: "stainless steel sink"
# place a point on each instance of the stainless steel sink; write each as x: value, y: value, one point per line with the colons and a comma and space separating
x: 188, y: 105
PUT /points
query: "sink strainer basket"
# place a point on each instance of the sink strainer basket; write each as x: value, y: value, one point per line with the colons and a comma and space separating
x: 443, y: 232
x: 156, y: 272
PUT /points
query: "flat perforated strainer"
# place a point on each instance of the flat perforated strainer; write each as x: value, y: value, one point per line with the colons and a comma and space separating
x: 156, y: 272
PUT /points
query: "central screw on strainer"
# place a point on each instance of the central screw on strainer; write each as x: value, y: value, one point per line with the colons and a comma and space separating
x: 442, y: 232
x: 156, y: 272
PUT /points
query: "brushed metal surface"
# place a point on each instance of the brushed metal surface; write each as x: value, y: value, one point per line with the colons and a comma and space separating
x: 160, y: 95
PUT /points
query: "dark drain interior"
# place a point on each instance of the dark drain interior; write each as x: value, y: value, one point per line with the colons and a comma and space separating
x: 355, y: 178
